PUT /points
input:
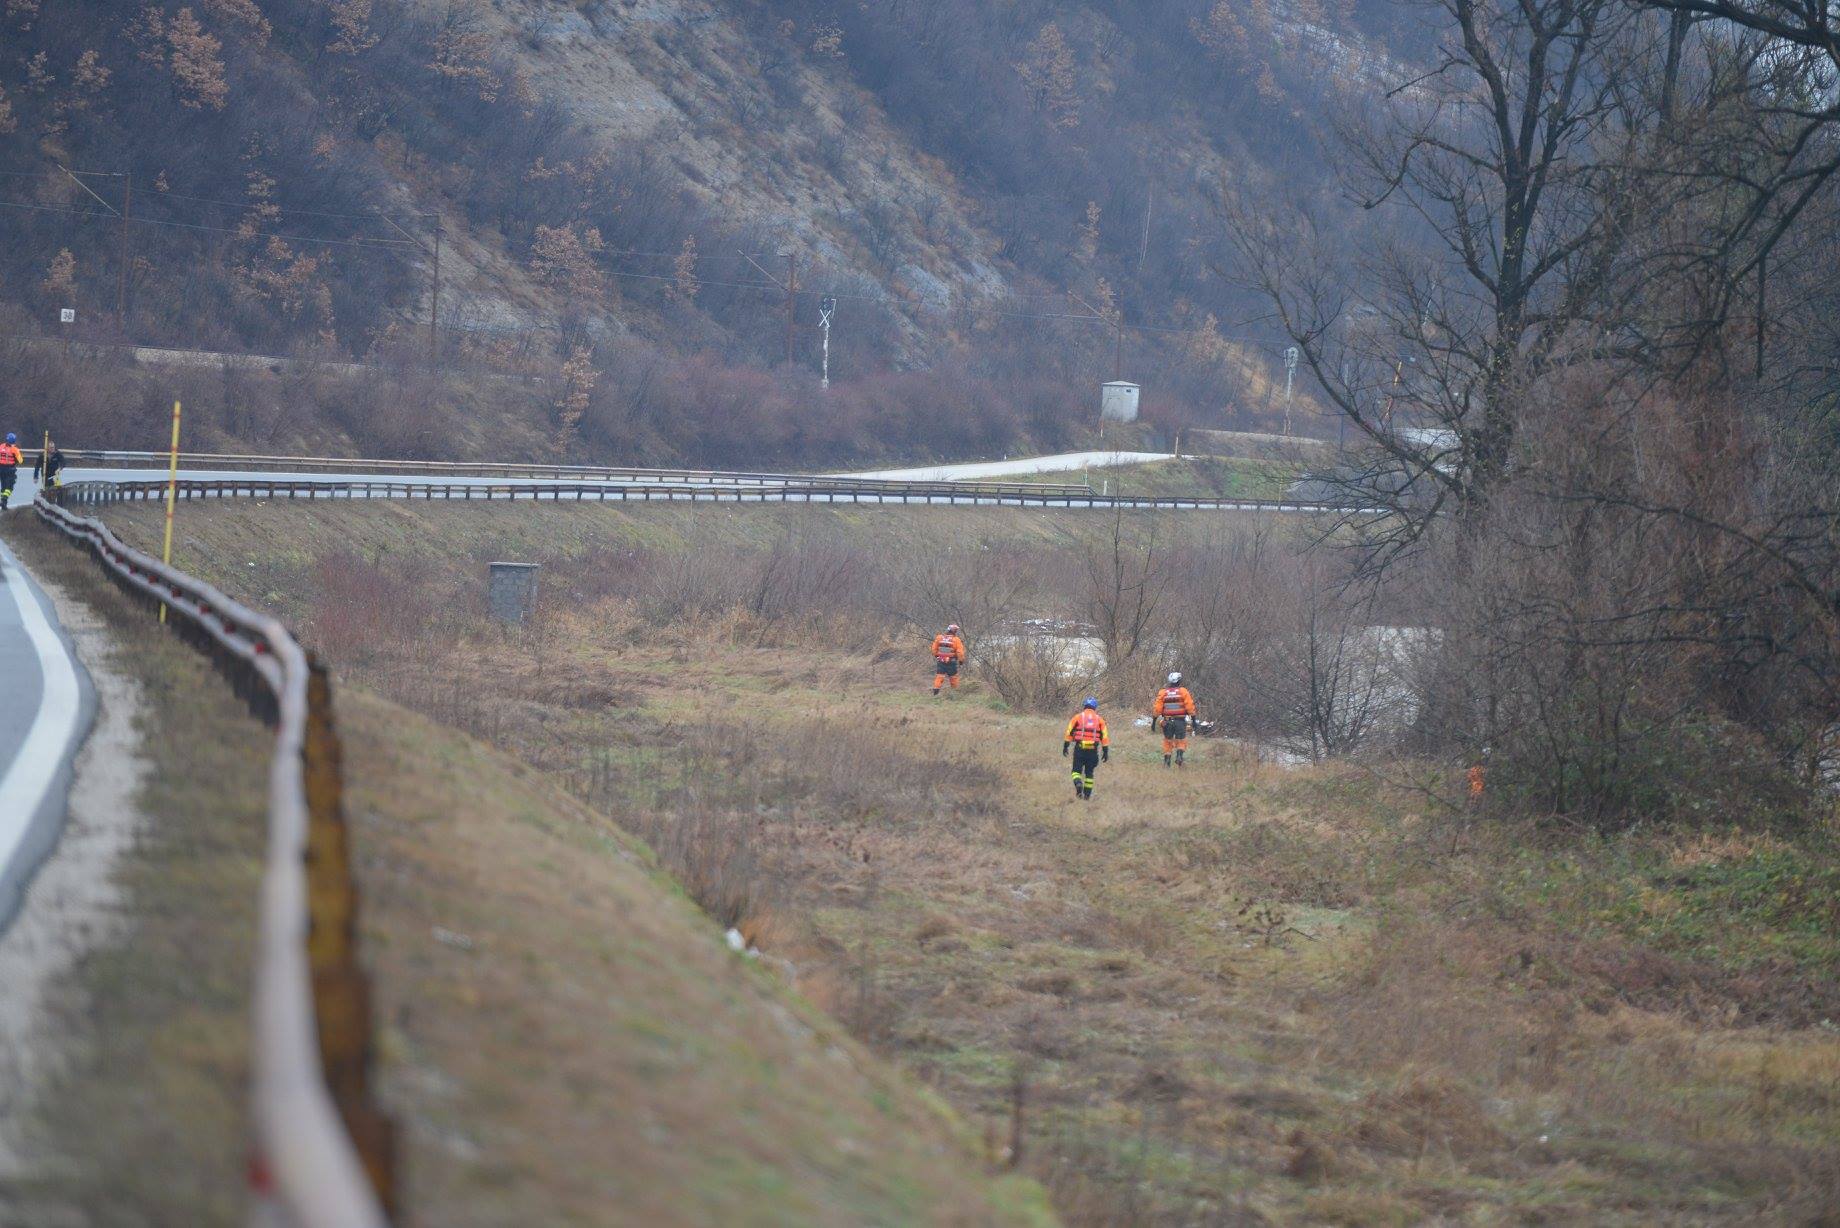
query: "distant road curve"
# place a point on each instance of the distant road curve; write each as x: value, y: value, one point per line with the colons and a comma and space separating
x: 104, y: 477
x: 974, y: 470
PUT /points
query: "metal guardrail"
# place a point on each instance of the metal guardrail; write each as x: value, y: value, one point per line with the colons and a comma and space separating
x: 324, y: 1154
x: 100, y: 492
x: 234, y: 462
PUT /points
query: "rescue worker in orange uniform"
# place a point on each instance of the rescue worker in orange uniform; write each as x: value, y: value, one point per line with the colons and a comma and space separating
x: 10, y: 459
x: 1175, y: 708
x: 948, y: 655
x: 1090, y: 743
x: 1478, y: 776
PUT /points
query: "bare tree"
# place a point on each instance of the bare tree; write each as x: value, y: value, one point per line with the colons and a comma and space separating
x: 1126, y: 570
x: 1512, y: 165
x: 978, y: 586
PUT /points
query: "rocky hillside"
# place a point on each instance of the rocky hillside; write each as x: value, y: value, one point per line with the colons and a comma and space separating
x: 628, y: 185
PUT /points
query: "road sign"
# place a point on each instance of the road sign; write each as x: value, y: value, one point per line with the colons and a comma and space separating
x: 67, y: 315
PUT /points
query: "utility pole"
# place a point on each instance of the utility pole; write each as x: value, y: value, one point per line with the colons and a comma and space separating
x: 1291, y: 355
x: 792, y: 291
x: 434, y: 301
x: 826, y: 306
x: 1143, y: 253
x: 120, y: 213
x: 434, y: 288
x: 127, y: 254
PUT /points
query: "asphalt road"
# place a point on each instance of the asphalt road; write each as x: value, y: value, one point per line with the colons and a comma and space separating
x: 1064, y: 462
x: 46, y: 706
x: 977, y: 471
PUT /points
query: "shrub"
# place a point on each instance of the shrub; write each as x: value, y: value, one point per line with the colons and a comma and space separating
x: 1037, y: 673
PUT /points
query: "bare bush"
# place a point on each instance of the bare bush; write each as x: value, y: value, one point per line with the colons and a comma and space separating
x: 689, y: 584
x: 363, y: 608
x: 982, y: 588
x: 1125, y: 567
x: 1036, y: 673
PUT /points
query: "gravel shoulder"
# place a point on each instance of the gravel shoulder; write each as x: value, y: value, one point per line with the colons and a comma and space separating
x: 74, y: 904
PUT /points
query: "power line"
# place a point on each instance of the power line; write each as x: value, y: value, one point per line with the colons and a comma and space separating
x: 700, y: 256
x: 269, y: 234
x: 60, y: 172
x: 694, y: 281
x: 15, y: 204
x: 168, y: 194
x: 252, y: 234
x: 159, y: 193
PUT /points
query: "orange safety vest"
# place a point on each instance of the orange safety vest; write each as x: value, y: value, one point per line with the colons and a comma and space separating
x: 1087, y: 728
x: 1478, y: 776
x: 948, y: 647
x: 1175, y: 701
x: 10, y: 455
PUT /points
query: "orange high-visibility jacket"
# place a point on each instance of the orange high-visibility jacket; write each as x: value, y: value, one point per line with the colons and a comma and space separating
x: 9, y: 455
x: 948, y: 648
x: 1088, y: 729
x: 1173, y: 701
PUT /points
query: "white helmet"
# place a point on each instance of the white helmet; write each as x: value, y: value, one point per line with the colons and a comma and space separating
x: 952, y: 630
x: 1175, y: 679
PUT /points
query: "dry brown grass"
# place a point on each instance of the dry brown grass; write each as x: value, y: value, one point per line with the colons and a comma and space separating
x: 567, y: 1042
x: 1233, y: 994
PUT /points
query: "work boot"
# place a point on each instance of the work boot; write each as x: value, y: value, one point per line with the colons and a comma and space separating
x: 1079, y: 790
x: 1179, y: 755
x: 935, y: 690
x: 1165, y: 760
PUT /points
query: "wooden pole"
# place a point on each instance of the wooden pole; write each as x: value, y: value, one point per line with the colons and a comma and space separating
x: 792, y: 290
x: 434, y: 303
x: 172, y: 495
x: 121, y: 282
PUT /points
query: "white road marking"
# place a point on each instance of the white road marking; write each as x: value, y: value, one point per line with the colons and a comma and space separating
x: 42, y: 751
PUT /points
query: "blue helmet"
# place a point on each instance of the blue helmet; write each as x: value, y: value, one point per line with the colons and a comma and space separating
x: 11, y: 438
x: 1091, y: 702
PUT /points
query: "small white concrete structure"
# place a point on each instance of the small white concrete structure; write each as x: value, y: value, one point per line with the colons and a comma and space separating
x: 1118, y: 401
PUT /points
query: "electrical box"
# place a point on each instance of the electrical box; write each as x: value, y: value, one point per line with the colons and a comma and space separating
x: 1118, y: 402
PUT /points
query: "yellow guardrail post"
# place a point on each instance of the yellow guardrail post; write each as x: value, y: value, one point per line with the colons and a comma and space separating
x: 172, y: 494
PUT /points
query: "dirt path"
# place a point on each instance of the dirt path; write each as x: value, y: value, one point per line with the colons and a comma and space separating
x: 72, y: 906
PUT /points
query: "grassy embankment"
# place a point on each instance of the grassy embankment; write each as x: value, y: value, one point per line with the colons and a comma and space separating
x: 1238, y: 992
x: 567, y: 1039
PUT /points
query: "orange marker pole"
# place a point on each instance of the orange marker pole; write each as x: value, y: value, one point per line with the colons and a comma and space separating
x: 172, y: 494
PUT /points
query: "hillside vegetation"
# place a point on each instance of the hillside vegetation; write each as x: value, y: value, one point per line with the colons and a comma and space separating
x: 616, y: 185
x: 1248, y: 992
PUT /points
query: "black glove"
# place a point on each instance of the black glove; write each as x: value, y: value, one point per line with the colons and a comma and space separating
x: 1105, y: 754
x: 1065, y: 746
